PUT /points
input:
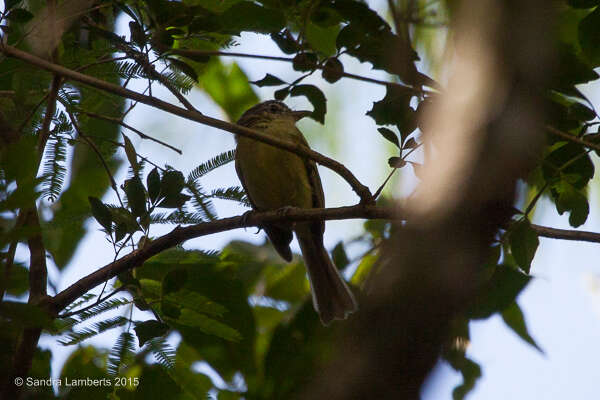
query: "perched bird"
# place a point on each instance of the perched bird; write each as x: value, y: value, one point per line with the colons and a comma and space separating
x: 274, y: 179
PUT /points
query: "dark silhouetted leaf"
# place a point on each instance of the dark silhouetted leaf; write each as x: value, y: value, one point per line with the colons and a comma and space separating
x: 316, y: 98
x: 589, y: 36
x: 153, y: 184
x: 523, y: 243
x: 389, y: 135
x: 268, y: 80
x: 101, y: 213
x: 136, y: 196
x: 150, y: 329
x: 514, y: 319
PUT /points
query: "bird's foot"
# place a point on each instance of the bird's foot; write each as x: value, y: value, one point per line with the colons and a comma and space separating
x: 283, y: 211
x: 244, y: 220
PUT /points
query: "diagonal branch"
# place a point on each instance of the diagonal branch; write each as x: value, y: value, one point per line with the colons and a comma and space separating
x: 361, y: 190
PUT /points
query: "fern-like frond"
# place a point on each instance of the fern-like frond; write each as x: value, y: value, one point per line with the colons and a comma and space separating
x: 121, y: 354
x: 82, y: 300
x: 210, y: 165
x: 54, y: 170
x: 163, y: 352
x: 234, y: 193
x: 129, y: 70
x: 97, y: 328
x: 202, y: 204
x: 108, y: 305
x: 179, y: 81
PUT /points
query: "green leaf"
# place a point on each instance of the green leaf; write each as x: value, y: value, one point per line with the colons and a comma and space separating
x: 514, y: 319
x: 333, y: 70
x: 150, y: 329
x: 19, y: 15
x: 269, y: 80
x: 174, y: 200
x: 207, y: 325
x: 394, y: 109
x: 316, y: 97
x: 131, y: 154
x: 281, y: 94
x: 589, y: 36
x: 136, y: 195
x: 228, y: 86
x: 101, y: 213
x: 305, y: 61
x: 285, y: 41
x: 523, y: 243
x: 172, y: 183
x: 322, y: 39
x: 570, y: 199
x: 153, y: 184
x: 389, y: 135
x: 498, y: 293
x: 248, y: 16
x: 184, y: 67
x: 340, y: 258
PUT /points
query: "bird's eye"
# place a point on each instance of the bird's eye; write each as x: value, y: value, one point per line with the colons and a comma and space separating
x: 273, y: 108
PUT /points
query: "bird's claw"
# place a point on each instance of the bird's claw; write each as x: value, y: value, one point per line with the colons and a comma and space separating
x: 244, y: 220
x: 283, y: 211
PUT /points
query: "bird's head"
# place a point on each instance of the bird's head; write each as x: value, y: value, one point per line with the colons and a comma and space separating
x: 268, y: 111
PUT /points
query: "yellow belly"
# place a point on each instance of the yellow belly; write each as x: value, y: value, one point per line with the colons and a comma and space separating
x: 273, y: 178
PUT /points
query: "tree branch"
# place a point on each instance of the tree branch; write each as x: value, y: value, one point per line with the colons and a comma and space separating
x: 296, y: 148
x: 566, y: 234
x: 182, y: 234
x: 572, y: 138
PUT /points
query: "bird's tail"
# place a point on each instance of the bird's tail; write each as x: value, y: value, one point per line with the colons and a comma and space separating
x: 331, y: 296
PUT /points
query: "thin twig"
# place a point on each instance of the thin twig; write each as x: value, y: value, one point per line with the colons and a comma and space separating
x: 100, y: 300
x: 131, y: 128
x: 91, y: 143
x: 572, y: 138
x: 196, y: 53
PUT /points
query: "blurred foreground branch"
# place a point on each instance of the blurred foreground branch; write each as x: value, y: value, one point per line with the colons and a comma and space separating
x: 481, y: 135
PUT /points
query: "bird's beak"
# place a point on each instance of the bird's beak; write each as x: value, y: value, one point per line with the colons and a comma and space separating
x: 298, y: 115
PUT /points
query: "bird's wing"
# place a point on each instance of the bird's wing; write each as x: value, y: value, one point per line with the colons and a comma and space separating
x: 280, y: 236
x: 316, y: 186
x: 240, y: 175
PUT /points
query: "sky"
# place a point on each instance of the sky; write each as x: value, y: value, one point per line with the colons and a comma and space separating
x: 561, y: 304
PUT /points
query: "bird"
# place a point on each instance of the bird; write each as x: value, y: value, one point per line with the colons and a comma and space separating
x: 276, y: 179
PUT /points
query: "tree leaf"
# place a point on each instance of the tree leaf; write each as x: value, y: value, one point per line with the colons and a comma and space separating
x: 136, y: 195
x: 523, y: 243
x: 101, y: 213
x: 268, y: 80
x: 389, y: 135
x: 131, y: 154
x: 19, y: 15
x: 498, y: 293
x: 316, y: 97
x: 285, y: 41
x: 340, y: 258
x: 394, y: 109
x: 589, y: 36
x: 153, y: 185
x: 172, y: 183
x: 514, y: 319
x: 150, y: 329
